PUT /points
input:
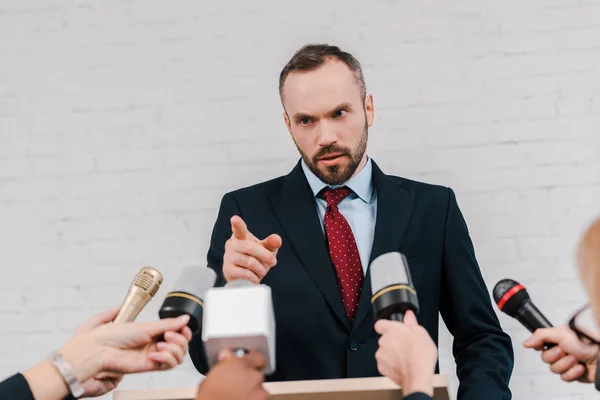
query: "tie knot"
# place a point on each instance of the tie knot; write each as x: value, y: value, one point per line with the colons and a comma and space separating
x: 334, y: 196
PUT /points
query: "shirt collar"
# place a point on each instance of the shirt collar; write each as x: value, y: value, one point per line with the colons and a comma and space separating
x: 361, y: 183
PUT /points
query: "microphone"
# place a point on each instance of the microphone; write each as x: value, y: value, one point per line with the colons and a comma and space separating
x: 239, y: 317
x: 392, y: 287
x: 512, y: 298
x: 187, y: 296
x: 142, y: 289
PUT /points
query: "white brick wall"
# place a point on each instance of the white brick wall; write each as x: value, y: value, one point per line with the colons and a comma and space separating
x: 123, y: 123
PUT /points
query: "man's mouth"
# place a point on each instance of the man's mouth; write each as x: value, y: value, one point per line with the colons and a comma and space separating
x: 331, y: 156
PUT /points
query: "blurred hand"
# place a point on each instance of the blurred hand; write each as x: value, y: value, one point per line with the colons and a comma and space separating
x: 235, y: 378
x: 247, y: 257
x: 100, y: 353
x: 407, y: 354
x: 565, y: 357
x: 102, y: 382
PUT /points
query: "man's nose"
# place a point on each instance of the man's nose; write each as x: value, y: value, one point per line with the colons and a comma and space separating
x: 327, y: 135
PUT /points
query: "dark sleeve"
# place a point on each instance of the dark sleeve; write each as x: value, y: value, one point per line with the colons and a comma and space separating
x: 482, y: 350
x: 220, y: 234
x: 418, y: 396
x: 15, y: 388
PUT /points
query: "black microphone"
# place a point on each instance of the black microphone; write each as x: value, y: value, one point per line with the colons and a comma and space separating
x: 187, y: 296
x: 392, y: 287
x: 512, y: 298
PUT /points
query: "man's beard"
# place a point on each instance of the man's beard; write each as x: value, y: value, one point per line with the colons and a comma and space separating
x: 337, y: 174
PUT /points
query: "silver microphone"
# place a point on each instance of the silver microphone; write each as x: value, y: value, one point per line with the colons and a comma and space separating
x: 392, y: 287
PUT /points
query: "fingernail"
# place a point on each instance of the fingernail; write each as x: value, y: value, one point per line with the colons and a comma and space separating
x: 184, y: 319
x: 554, y: 351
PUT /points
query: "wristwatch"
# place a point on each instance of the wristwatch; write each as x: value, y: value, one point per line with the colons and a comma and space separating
x: 67, y: 373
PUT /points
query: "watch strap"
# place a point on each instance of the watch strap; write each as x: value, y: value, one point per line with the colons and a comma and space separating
x: 65, y: 370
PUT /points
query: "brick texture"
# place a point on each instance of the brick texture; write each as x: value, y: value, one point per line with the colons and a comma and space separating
x: 122, y: 123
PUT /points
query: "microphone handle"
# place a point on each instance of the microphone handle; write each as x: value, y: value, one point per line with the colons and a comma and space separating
x: 397, y: 317
x: 533, y: 319
x: 135, y: 301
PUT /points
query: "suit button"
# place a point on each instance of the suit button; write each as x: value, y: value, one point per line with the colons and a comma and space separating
x: 354, y: 345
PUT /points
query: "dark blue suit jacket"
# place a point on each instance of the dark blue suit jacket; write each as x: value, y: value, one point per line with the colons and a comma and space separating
x: 314, y: 339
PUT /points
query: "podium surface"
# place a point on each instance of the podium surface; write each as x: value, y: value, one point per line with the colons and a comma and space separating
x: 377, y: 388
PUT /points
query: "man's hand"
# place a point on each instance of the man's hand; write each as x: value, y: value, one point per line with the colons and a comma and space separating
x: 235, y: 379
x: 565, y: 357
x: 247, y: 257
x: 406, y: 354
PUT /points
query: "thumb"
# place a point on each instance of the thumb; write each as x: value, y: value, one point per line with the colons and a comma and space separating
x: 383, y: 325
x: 238, y: 228
x: 157, y: 328
x: 255, y: 360
x: 410, y: 319
x: 225, y: 355
x: 543, y: 335
x: 99, y: 319
x: 272, y: 242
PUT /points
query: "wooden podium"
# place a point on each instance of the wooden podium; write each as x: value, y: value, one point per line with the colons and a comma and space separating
x: 379, y: 388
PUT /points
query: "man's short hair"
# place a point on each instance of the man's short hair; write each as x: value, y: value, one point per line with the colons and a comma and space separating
x: 312, y: 56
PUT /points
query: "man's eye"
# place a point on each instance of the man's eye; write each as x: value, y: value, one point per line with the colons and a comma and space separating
x: 339, y: 113
x: 305, y: 121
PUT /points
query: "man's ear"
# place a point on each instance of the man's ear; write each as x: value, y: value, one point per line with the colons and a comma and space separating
x: 369, y: 110
x: 287, y: 121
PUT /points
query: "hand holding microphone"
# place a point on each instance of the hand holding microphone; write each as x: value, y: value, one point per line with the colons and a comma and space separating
x: 246, y: 256
x: 248, y: 378
x: 187, y: 296
x: 406, y: 354
x: 571, y: 358
x: 239, y: 317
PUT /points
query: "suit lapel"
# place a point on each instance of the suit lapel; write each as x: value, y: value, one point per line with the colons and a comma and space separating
x: 296, y: 210
x: 394, y: 208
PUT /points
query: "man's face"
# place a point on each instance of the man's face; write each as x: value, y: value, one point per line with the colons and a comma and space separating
x: 328, y: 120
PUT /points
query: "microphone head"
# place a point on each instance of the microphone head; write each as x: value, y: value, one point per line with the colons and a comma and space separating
x: 392, y: 286
x: 143, y: 287
x: 187, y: 295
x: 239, y: 316
x: 509, y: 296
x: 149, y: 280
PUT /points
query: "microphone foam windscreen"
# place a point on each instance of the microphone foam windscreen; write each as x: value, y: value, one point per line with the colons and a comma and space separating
x: 502, y: 287
x: 389, y: 269
x: 195, y: 280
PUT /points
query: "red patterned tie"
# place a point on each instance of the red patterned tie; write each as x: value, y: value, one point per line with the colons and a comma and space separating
x: 343, y: 250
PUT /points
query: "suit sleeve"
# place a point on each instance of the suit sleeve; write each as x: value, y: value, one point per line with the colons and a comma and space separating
x: 482, y: 350
x: 220, y: 234
x: 15, y: 388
